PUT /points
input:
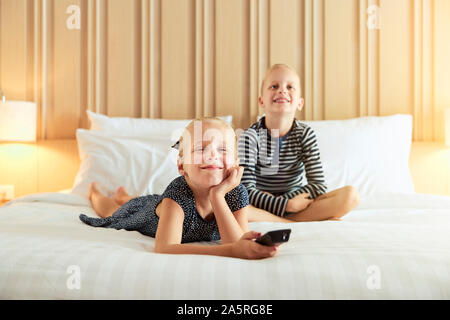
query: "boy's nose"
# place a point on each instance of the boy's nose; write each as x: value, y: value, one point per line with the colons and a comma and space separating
x: 282, y: 90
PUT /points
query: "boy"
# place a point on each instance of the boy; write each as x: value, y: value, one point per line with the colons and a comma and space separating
x: 277, y: 150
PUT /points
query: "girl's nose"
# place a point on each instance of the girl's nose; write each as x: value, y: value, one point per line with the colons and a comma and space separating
x: 211, y: 154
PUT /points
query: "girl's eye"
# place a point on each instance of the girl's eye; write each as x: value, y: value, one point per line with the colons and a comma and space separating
x: 273, y: 86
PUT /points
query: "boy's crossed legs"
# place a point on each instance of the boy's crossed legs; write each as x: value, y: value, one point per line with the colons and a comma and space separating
x: 329, y: 206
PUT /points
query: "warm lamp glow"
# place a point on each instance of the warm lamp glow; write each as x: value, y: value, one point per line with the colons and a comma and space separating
x: 447, y: 127
x: 17, y: 121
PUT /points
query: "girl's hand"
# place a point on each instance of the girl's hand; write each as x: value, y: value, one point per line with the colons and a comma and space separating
x: 246, y: 248
x: 298, y: 203
x: 229, y: 183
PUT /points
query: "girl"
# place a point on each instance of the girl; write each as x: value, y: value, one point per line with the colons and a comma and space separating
x: 206, y: 203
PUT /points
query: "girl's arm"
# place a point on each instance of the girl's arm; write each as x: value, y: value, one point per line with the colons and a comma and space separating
x: 231, y: 225
x: 170, y: 228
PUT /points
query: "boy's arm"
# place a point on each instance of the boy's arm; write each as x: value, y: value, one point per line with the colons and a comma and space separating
x: 313, y: 167
x: 248, y: 157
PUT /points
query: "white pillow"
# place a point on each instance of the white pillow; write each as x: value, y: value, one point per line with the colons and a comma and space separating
x: 141, y: 127
x: 368, y: 153
x: 143, y: 166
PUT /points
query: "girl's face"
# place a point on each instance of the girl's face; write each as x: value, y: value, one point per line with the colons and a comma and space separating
x: 208, y: 151
x: 281, y: 92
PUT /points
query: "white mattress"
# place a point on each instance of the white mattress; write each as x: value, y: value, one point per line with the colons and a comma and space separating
x: 390, y: 247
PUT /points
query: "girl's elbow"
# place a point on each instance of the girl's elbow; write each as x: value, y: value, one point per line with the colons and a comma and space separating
x: 160, y: 248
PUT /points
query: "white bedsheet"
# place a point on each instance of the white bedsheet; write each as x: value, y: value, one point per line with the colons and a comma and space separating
x: 390, y: 247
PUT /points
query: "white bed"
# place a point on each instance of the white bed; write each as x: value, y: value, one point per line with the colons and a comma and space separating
x: 391, y: 247
x: 395, y: 245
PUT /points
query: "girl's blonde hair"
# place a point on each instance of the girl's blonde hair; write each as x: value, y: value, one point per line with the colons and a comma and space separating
x: 204, y: 119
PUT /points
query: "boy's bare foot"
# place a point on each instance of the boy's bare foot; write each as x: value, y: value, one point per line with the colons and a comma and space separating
x: 121, y: 196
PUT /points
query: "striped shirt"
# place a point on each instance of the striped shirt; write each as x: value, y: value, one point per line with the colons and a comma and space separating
x: 284, y: 167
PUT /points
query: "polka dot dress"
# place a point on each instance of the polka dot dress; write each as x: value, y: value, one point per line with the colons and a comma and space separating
x: 139, y: 214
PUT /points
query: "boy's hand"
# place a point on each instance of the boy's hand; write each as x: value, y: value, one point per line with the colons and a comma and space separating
x: 246, y: 248
x: 229, y: 183
x: 298, y: 203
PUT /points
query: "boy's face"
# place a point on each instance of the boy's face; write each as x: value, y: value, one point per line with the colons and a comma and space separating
x: 281, y: 92
x: 209, y: 150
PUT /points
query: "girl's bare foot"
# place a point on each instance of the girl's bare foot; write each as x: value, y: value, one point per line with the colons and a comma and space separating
x: 103, y: 206
x: 121, y: 196
x: 93, y: 190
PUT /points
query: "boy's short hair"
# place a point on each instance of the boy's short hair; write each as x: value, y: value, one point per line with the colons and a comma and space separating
x: 274, y: 67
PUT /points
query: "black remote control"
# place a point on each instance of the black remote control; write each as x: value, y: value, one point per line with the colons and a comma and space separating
x: 273, y: 238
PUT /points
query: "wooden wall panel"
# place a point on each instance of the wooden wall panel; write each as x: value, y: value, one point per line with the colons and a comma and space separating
x: 123, y: 62
x: 231, y: 65
x: 185, y: 59
x: 13, y: 48
x: 65, y: 109
x: 441, y: 74
x: 177, y: 59
x: 341, y: 63
x: 396, y: 57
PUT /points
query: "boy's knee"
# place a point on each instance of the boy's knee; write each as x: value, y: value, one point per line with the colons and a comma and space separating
x: 350, y: 197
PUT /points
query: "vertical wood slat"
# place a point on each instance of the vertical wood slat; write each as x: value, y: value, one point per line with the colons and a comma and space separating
x: 341, y: 60
x: 101, y: 14
x: 441, y: 67
x: 230, y: 61
x: 123, y: 87
x: 145, y: 57
x: 418, y: 26
x: 428, y: 112
x: 177, y: 58
x: 309, y: 56
x: 209, y: 54
x: 318, y: 89
x: 13, y: 33
x: 423, y: 110
x: 91, y: 47
x: 155, y: 59
x: 46, y: 57
x: 254, y: 61
x: 66, y: 62
x: 263, y: 46
x: 396, y: 57
x: 199, y: 58
x: 363, y: 52
x: 373, y: 62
